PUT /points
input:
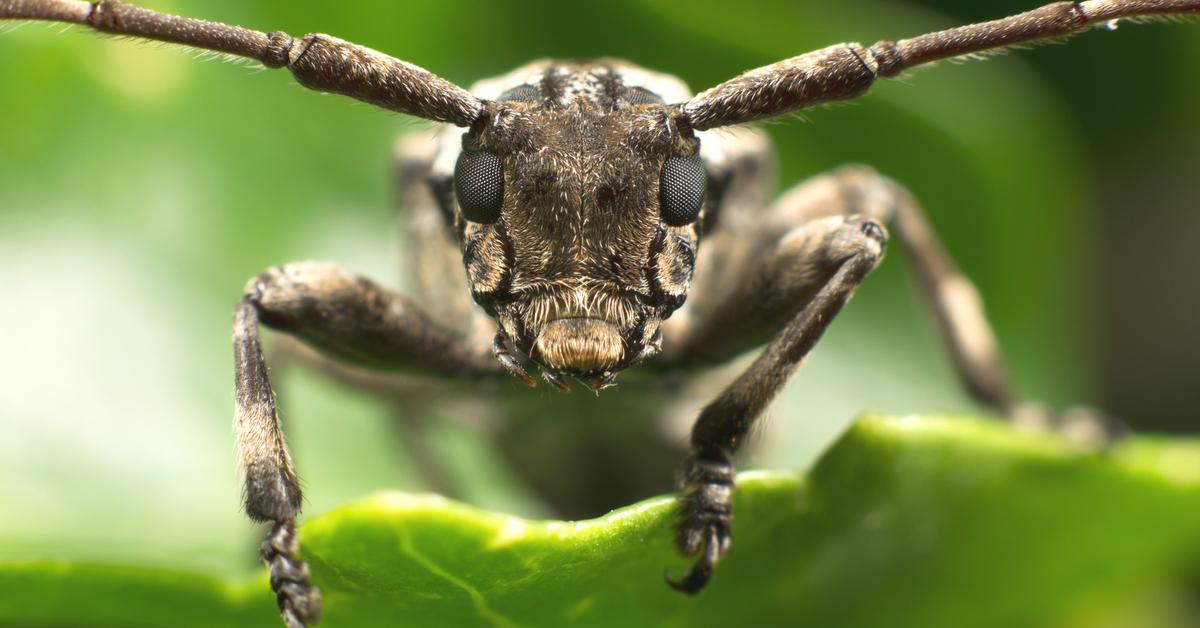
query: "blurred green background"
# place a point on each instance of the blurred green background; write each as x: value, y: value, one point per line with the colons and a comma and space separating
x: 140, y: 187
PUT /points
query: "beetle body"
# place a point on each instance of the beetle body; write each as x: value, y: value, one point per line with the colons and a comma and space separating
x: 583, y: 202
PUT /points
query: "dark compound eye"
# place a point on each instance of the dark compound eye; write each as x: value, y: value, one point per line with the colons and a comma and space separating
x: 682, y: 190
x: 521, y: 93
x: 642, y: 96
x: 479, y: 185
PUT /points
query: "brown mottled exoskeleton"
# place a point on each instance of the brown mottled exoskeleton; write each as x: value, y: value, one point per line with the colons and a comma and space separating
x: 586, y: 200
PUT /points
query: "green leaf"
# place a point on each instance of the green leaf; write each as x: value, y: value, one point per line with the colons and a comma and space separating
x: 63, y: 594
x: 904, y: 522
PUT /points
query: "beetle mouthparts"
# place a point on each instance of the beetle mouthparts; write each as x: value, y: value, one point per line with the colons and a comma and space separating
x: 579, y: 345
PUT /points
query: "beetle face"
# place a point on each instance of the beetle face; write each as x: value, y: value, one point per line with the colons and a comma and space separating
x: 577, y: 223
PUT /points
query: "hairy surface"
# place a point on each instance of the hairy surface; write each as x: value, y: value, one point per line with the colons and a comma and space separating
x: 580, y: 269
x: 570, y: 256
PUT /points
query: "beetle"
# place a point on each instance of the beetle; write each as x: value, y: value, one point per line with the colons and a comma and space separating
x: 589, y: 298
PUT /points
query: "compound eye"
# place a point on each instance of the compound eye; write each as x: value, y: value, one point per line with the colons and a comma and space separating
x: 642, y: 96
x: 682, y: 190
x: 521, y: 93
x: 479, y: 185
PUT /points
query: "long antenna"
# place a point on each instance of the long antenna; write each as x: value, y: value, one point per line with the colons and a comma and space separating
x: 847, y: 71
x: 318, y: 62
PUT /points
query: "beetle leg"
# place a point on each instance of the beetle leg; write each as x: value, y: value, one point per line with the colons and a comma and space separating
x: 771, y: 289
x: 832, y: 255
x: 781, y: 280
x: 272, y: 489
x: 351, y: 319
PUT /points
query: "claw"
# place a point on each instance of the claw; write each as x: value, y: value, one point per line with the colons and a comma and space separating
x: 697, y: 577
x: 708, y: 513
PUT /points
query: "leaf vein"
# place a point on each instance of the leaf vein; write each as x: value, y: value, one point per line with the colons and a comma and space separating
x: 477, y: 599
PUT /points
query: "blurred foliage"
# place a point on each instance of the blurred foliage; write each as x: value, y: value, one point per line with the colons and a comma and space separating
x: 914, y: 522
x: 140, y: 188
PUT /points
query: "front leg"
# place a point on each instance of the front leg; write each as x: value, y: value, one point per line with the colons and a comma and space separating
x: 832, y: 254
x: 348, y: 318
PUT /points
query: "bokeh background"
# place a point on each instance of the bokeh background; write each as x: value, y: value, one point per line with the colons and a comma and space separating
x: 142, y: 185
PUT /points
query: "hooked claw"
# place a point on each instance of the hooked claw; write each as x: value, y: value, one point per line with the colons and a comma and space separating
x: 707, y: 518
x: 716, y: 543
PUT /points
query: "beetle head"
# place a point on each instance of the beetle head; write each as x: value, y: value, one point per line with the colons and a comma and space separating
x: 577, y: 216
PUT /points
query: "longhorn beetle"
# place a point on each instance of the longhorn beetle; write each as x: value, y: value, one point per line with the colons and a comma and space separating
x: 587, y: 199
